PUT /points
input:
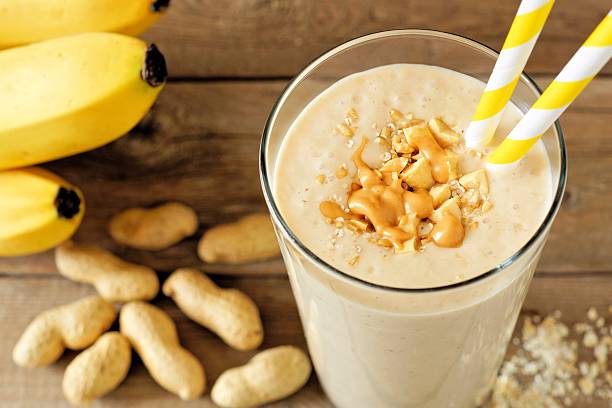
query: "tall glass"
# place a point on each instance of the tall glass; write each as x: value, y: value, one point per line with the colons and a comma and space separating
x: 376, y: 346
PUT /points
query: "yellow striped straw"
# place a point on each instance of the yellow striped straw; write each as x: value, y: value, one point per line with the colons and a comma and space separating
x: 523, y: 34
x: 577, y: 73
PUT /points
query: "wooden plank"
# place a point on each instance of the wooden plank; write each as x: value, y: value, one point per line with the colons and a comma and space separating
x: 199, y: 145
x: 22, y: 298
x: 206, y: 38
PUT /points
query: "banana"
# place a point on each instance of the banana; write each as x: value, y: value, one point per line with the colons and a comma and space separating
x: 38, y: 210
x: 27, y: 21
x: 71, y: 94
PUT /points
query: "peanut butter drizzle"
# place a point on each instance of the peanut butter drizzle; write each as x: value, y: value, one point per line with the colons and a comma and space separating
x: 386, y: 205
x: 418, y: 202
x: 449, y: 232
x: 332, y: 209
x: 381, y: 201
x: 432, y: 151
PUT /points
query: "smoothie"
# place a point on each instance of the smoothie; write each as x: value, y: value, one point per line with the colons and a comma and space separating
x: 316, y: 155
x: 374, y: 179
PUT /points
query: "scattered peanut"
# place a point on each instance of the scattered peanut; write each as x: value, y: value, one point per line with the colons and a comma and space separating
x: 98, y: 370
x: 269, y: 376
x: 229, y: 313
x: 153, y: 335
x: 115, y: 279
x: 75, y: 326
x: 154, y: 228
x: 252, y: 238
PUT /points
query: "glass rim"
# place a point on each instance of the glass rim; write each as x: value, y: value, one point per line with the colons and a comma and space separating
x: 280, y: 221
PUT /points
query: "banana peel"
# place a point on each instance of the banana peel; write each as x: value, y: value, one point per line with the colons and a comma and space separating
x: 38, y: 211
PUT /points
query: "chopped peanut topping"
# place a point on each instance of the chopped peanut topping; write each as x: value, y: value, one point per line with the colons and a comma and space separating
x: 424, y: 228
x: 418, y: 175
x: 450, y: 206
x: 439, y: 194
x: 452, y: 164
x: 353, y: 260
x: 358, y: 225
x: 394, y: 165
x: 410, y: 123
x: 444, y: 135
x: 396, y: 115
x: 486, y: 206
x: 342, y: 172
x: 321, y: 179
x: 347, y: 131
x: 381, y: 140
x: 399, y: 144
x: 476, y: 180
x: 421, y: 137
x: 412, y: 245
x: 385, y: 133
x: 346, y: 128
x: 417, y: 195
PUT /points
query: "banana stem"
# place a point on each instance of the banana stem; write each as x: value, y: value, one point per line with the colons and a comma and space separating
x: 67, y: 203
x: 159, y: 5
x: 154, y: 69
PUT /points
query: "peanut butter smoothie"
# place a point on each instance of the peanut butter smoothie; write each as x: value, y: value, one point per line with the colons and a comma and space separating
x: 373, y: 177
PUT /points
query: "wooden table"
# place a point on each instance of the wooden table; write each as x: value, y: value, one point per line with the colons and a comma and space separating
x: 228, y: 61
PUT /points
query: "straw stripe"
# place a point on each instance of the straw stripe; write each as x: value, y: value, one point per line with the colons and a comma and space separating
x: 575, y: 76
x: 535, y: 122
x: 510, y: 65
x: 595, y: 53
x: 492, y: 102
x: 519, y: 43
x: 515, y: 149
x: 601, y: 38
x: 529, y: 6
x: 526, y: 26
x: 559, y: 94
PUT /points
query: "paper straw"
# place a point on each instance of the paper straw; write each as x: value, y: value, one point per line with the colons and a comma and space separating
x: 577, y: 73
x: 523, y: 34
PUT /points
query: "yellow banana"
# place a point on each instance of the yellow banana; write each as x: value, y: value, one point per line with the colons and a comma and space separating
x: 38, y: 210
x: 27, y: 21
x: 71, y: 94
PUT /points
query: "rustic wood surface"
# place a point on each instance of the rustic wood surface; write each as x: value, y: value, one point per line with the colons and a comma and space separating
x: 270, y: 38
x: 229, y: 61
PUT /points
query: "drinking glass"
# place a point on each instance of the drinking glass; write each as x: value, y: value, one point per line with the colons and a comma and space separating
x: 378, y: 346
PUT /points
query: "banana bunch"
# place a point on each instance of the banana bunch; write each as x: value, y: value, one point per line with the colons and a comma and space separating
x: 71, y: 94
x: 64, y: 96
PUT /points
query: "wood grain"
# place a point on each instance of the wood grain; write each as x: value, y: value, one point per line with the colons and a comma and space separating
x: 199, y: 145
x: 263, y: 38
x: 42, y: 387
